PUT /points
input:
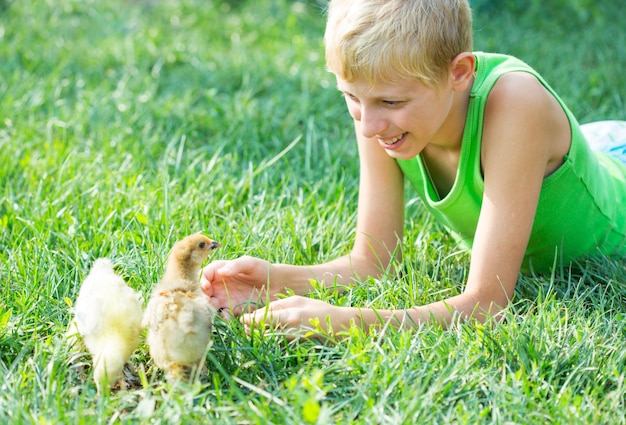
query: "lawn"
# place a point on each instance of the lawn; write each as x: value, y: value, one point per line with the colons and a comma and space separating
x: 126, y: 125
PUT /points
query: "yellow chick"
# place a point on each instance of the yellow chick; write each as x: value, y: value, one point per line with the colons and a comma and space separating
x: 178, y: 316
x: 108, y: 316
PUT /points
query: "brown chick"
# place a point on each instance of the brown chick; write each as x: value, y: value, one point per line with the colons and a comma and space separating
x: 178, y: 316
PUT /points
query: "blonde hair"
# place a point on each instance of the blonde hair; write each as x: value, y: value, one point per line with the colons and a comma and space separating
x: 378, y: 40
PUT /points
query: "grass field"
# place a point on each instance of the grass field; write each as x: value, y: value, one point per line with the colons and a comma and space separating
x: 125, y: 125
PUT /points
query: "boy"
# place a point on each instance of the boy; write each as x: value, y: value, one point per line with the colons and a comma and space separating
x: 490, y: 148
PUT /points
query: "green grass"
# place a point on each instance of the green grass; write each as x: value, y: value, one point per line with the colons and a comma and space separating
x: 125, y: 125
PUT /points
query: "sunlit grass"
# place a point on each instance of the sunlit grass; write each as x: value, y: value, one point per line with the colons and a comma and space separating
x: 126, y: 125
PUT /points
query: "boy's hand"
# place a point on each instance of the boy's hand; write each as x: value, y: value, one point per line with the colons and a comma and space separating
x: 299, y: 316
x: 236, y: 285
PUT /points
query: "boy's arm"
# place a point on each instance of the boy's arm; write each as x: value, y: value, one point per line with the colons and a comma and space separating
x: 526, y: 135
x: 380, y: 223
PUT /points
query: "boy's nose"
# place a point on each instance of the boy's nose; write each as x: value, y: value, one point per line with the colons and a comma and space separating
x: 372, y: 123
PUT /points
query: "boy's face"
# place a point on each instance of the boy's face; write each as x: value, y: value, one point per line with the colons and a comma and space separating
x: 403, y: 116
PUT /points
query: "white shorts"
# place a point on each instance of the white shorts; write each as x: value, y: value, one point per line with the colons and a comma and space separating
x: 608, y: 137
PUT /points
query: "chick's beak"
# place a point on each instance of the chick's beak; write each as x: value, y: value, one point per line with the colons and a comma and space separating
x: 215, y: 244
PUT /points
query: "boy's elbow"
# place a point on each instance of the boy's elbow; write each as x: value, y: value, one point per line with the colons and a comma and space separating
x: 378, y: 258
x: 486, y: 307
x: 372, y: 265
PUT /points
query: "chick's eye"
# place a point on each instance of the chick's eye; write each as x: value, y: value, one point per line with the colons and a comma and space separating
x: 202, y: 245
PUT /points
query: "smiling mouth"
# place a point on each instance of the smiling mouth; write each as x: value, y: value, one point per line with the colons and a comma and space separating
x: 393, y: 141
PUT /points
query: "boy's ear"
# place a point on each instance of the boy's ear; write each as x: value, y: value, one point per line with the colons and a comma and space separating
x: 462, y: 69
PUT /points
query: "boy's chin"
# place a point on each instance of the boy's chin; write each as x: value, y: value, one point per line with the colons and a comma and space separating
x: 401, y: 155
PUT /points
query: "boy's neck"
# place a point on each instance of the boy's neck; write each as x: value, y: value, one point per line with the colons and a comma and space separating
x: 441, y: 157
x: 451, y: 135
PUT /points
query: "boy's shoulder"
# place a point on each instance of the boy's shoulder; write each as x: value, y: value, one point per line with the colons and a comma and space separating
x: 506, y: 80
x: 517, y: 90
x: 521, y: 109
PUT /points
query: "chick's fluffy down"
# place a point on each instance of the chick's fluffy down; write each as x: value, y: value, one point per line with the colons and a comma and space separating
x: 180, y: 328
x: 108, y: 316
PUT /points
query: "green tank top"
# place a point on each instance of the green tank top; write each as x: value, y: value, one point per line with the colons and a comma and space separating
x: 582, y: 205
